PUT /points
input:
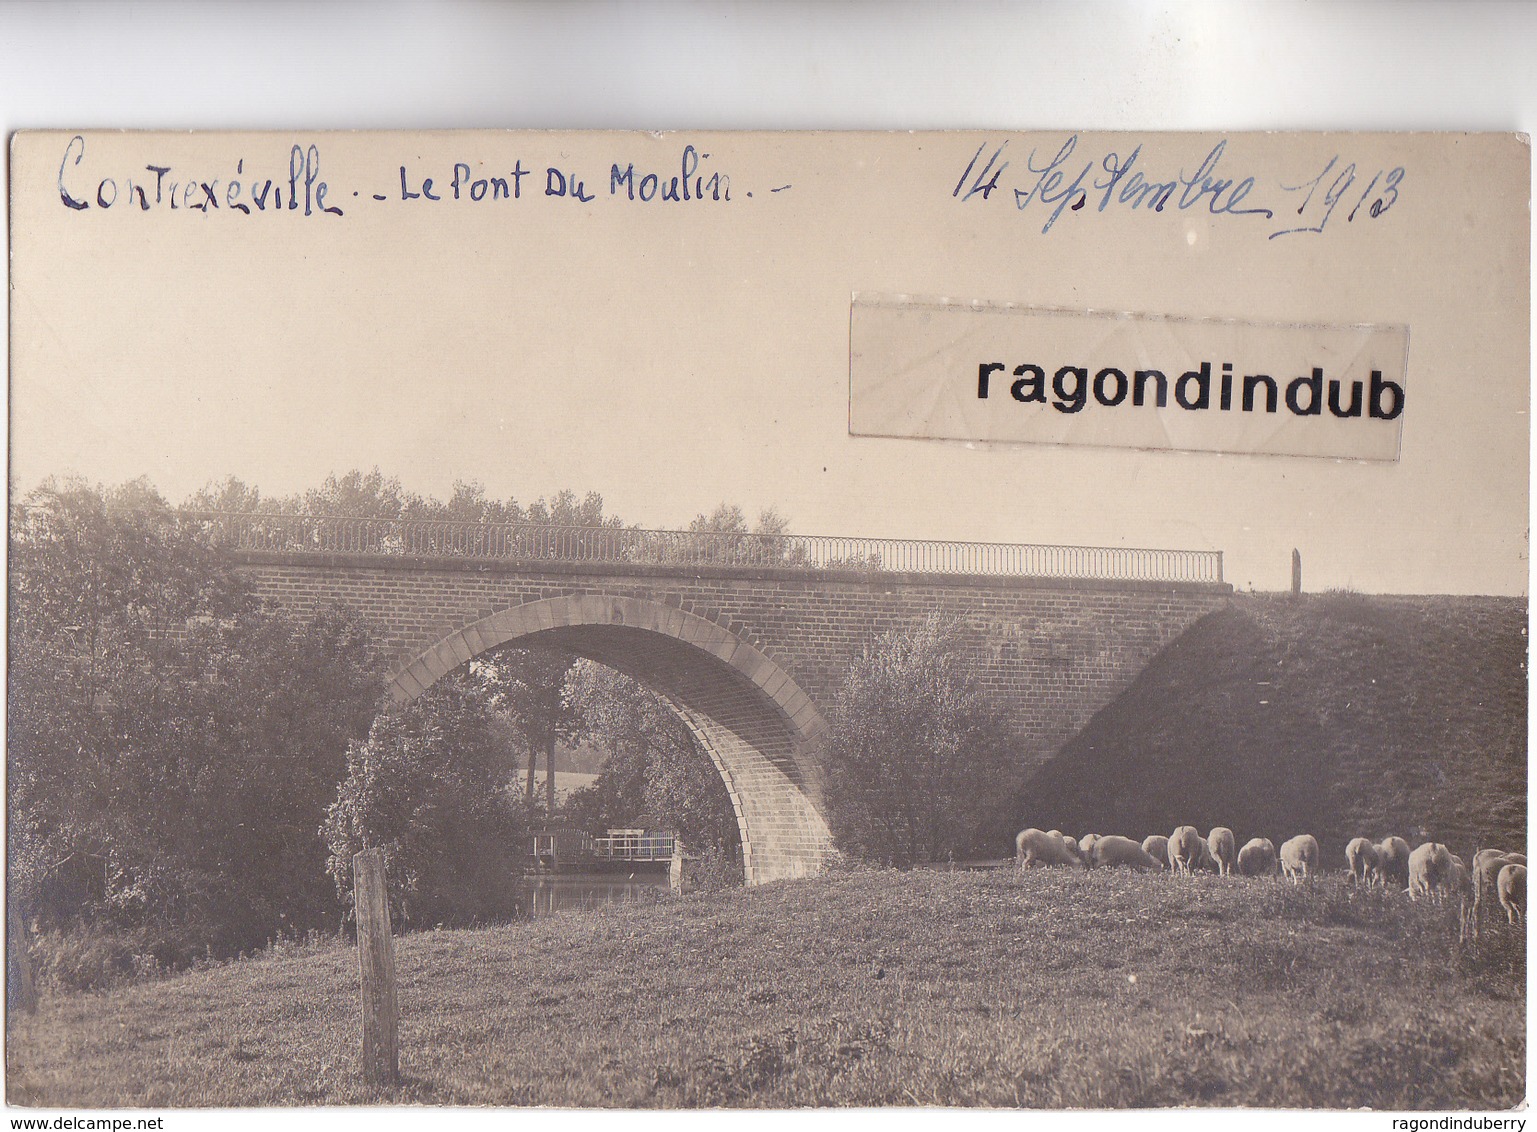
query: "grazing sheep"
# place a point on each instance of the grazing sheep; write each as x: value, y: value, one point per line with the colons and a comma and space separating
x: 1511, y: 884
x: 1185, y: 849
x: 1487, y: 864
x: 1430, y: 870
x: 1299, y: 856
x: 1112, y: 851
x: 1072, y: 845
x: 1459, y: 883
x: 1086, y: 844
x: 1460, y: 880
x: 1157, y: 847
x: 1257, y: 858
x: 1037, y: 847
x: 1516, y: 858
x: 1361, y: 856
x: 1223, y: 849
x: 1393, y: 861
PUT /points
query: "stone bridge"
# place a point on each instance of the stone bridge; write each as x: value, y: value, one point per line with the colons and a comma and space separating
x: 747, y: 637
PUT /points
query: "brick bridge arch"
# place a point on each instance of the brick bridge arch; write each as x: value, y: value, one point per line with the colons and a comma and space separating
x: 744, y: 635
x: 763, y: 733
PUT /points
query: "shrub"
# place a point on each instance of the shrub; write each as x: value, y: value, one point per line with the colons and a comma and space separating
x: 920, y: 759
x: 715, y: 869
x: 430, y: 786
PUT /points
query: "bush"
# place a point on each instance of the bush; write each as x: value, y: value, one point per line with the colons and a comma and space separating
x: 431, y: 787
x: 715, y: 870
x: 920, y: 762
x: 91, y: 956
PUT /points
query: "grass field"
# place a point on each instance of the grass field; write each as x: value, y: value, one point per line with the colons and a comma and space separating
x: 1052, y: 988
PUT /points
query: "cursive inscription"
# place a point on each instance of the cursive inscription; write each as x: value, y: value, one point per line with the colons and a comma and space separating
x: 1047, y: 185
x: 299, y: 189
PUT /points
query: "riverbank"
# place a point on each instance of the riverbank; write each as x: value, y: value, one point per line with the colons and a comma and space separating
x: 1049, y: 989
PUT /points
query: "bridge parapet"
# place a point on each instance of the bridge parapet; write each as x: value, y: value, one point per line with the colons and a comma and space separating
x: 537, y: 543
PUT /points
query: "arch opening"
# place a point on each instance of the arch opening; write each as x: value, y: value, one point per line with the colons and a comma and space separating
x: 760, y: 730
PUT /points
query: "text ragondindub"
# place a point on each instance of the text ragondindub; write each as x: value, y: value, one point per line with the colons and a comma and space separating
x: 1072, y: 388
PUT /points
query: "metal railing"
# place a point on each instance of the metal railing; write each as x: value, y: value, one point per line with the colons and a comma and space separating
x: 536, y: 542
x: 634, y: 846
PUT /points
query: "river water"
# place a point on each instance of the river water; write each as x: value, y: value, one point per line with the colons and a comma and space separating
x: 547, y: 895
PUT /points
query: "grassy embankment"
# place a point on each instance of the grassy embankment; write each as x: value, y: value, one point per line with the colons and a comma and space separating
x: 1053, y: 988
x: 1339, y: 715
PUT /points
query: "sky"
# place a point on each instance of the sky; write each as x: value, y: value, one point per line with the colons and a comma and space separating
x: 672, y: 361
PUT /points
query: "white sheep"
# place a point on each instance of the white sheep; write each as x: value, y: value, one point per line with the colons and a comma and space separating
x: 1430, y: 870
x: 1299, y: 856
x: 1123, y: 851
x: 1186, y: 849
x: 1361, y: 857
x: 1223, y: 849
x: 1037, y: 847
x: 1487, y: 865
x: 1393, y: 861
x: 1459, y: 882
x: 1511, y: 884
x: 1257, y: 858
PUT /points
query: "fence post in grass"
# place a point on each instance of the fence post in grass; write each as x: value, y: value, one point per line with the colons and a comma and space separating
x: 675, y: 870
x: 376, y: 969
x: 1296, y: 573
x: 20, y: 990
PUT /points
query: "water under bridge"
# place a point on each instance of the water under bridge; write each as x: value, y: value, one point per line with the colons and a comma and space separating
x: 747, y: 637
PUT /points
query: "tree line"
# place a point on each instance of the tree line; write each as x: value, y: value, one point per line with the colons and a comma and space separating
x: 191, y: 771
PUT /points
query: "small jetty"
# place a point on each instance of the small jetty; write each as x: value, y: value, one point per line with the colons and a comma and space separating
x: 566, y: 849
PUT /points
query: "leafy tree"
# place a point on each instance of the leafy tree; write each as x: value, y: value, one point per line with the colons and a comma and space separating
x: 654, y: 765
x: 234, y: 495
x: 470, y: 504
x: 358, y: 494
x: 566, y: 510
x: 370, y: 495
x: 531, y: 684
x: 431, y: 787
x: 172, y: 744
x: 733, y: 542
x: 920, y: 757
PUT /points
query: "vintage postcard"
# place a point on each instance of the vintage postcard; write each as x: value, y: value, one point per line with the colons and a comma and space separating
x: 695, y: 620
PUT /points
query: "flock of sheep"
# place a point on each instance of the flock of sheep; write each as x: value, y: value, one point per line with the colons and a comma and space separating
x: 1431, y: 870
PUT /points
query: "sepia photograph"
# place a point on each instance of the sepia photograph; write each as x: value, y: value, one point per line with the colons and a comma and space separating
x: 740, y: 619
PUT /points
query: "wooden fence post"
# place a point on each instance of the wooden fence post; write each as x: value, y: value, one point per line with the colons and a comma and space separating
x: 675, y: 868
x: 1296, y: 573
x: 20, y: 990
x: 376, y: 969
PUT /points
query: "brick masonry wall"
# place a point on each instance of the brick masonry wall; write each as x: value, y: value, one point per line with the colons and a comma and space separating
x: 1058, y: 650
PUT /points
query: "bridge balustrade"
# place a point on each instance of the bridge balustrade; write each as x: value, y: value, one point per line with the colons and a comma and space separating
x: 538, y: 542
